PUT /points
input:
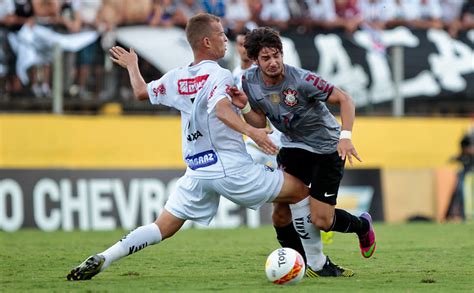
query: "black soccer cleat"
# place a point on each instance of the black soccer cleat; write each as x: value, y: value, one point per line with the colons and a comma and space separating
x: 88, y: 269
x: 329, y: 270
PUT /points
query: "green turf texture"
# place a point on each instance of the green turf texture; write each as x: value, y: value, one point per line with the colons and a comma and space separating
x: 409, y: 258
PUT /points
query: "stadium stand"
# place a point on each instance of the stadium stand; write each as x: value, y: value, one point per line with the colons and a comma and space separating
x: 90, y: 81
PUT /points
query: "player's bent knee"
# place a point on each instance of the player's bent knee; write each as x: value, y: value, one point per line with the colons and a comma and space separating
x: 293, y: 190
x: 323, y: 223
x: 281, y: 215
x: 168, y: 224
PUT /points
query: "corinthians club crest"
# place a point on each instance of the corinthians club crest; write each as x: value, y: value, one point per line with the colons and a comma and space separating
x: 290, y: 97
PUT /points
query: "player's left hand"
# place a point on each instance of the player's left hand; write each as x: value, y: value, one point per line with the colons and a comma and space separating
x: 239, y: 98
x: 260, y: 136
x: 346, y: 149
x: 122, y: 57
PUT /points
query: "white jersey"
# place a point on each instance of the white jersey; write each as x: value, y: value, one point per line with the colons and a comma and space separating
x: 210, y: 148
x: 237, y: 75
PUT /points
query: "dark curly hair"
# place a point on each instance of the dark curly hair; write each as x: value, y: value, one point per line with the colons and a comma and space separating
x: 259, y: 38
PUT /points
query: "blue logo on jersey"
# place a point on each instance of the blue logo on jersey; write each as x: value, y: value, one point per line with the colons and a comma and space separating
x: 201, y: 160
x: 268, y: 168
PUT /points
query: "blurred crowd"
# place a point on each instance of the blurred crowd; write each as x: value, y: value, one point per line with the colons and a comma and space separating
x: 85, y: 69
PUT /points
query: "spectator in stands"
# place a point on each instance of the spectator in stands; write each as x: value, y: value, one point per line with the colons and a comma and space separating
x: 23, y: 14
x: 136, y: 11
x: 322, y: 14
x: 275, y: 13
x: 91, y: 57
x: 167, y: 14
x: 349, y: 12
x: 188, y: 8
x: 375, y: 13
x: 400, y: 13
x: 7, y: 10
x: 375, y: 17
x: 237, y: 15
x: 216, y: 7
x: 299, y: 15
x: 255, y: 9
x: 451, y: 16
x: 46, y: 13
x: 427, y: 15
x: 69, y: 19
x: 467, y: 15
x: 163, y: 13
x: 109, y: 17
x: 422, y: 14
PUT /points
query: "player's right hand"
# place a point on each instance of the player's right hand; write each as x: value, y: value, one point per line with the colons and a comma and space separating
x: 122, y: 57
x: 261, y: 138
x: 239, y: 98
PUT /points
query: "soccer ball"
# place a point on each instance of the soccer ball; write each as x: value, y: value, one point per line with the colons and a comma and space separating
x: 285, y: 266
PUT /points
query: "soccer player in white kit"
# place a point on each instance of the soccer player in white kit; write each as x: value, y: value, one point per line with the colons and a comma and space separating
x: 213, y: 149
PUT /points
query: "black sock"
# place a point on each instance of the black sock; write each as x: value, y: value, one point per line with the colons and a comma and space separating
x: 288, y: 237
x: 347, y: 223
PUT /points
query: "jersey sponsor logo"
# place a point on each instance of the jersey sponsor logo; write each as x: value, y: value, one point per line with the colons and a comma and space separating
x: 290, y: 97
x: 268, y: 168
x: 190, y: 86
x: 320, y: 83
x: 194, y: 136
x: 160, y: 89
x: 201, y: 160
x: 274, y: 98
x: 299, y: 227
x: 133, y: 248
x: 329, y: 194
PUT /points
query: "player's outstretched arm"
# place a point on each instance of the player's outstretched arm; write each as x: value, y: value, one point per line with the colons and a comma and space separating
x: 252, y: 116
x: 345, y: 148
x: 226, y: 114
x: 129, y: 61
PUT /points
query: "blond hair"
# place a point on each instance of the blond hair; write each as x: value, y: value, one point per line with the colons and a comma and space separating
x: 199, y: 27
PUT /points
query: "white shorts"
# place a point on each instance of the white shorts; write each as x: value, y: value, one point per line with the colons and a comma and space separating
x: 258, y: 156
x: 198, y: 199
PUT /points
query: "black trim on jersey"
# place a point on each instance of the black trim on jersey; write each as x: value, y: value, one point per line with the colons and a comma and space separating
x: 329, y: 94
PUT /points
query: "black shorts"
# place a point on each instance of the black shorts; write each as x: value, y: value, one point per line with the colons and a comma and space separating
x: 323, y: 172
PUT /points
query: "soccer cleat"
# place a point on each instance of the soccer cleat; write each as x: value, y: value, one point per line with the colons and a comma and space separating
x: 86, y: 270
x: 367, y: 241
x: 329, y: 270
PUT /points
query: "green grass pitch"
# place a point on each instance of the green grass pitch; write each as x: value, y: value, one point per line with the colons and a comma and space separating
x: 409, y: 258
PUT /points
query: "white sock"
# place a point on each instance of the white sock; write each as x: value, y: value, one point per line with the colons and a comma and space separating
x: 310, y: 235
x: 136, y: 240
